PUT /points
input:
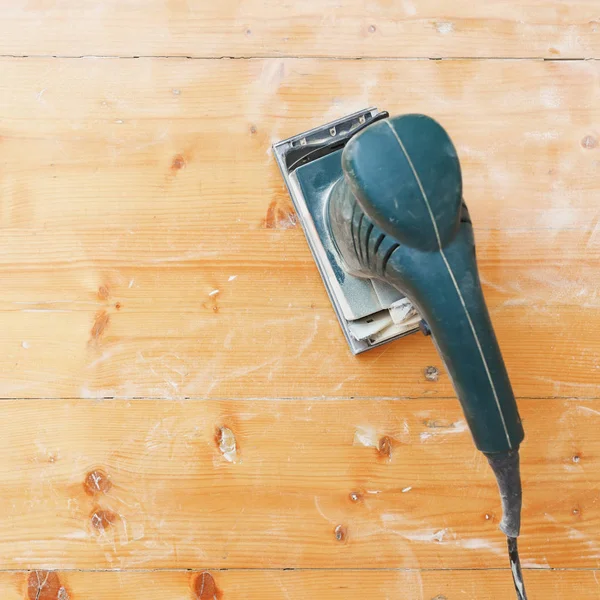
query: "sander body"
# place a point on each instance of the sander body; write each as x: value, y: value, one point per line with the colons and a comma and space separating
x: 381, y: 203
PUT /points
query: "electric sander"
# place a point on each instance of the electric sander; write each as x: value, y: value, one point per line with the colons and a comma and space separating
x: 381, y: 203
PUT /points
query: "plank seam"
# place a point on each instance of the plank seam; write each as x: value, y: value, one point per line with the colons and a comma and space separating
x: 300, y: 569
x: 306, y: 57
x: 177, y: 399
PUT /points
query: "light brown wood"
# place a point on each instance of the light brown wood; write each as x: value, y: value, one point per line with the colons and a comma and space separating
x: 294, y: 585
x: 287, y: 484
x: 52, y: 351
x: 186, y: 144
x: 149, y: 252
x: 385, y: 28
x: 125, y: 205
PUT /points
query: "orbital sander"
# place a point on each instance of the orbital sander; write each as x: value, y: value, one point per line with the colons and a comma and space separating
x: 381, y: 203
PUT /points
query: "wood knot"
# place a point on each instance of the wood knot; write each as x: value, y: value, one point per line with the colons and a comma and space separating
x: 45, y: 585
x: 213, y: 301
x: 101, y: 322
x: 252, y: 129
x: 178, y: 162
x: 355, y: 496
x: 280, y: 216
x: 589, y: 142
x: 97, y: 482
x: 205, y: 588
x: 341, y: 533
x: 227, y: 444
x: 102, y: 519
x: 385, y: 447
x: 432, y: 373
x: 103, y: 292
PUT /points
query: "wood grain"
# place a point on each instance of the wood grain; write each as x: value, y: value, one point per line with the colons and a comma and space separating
x: 236, y: 28
x: 287, y: 484
x: 292, y: 585
x: 108, y: 144
x: 149, y: 252
x: 52, y: 351
x: 125, y: 205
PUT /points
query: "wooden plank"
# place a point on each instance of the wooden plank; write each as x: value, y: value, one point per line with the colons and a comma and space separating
x: 411, y: 28
x: 297, y: 352
x: 291, y: 585
x: 176, y: 143
x: 286, y: 484
x: 116, y: 233
x: 133, y: 189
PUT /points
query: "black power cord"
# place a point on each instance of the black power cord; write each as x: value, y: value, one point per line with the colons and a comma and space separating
x: 515, y: 567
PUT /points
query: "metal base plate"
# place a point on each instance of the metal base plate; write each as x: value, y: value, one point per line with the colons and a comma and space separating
x: 370, y: 311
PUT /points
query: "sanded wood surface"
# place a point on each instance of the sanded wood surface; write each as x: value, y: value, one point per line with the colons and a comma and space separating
x: 292, y: 585
x: 287, y: 484
x: 133, y: 190
x: 390, y: 28
x: 176, y: 392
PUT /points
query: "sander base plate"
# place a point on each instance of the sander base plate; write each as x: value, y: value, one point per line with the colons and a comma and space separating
x: 370, y: 311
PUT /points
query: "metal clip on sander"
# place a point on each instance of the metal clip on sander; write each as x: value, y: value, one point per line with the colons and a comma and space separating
x: 381, y: 203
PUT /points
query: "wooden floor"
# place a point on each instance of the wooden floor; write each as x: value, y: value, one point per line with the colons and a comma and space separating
x: 181, y: 417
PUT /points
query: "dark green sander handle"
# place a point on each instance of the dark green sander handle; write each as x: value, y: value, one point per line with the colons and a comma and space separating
x: 402, y: 195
